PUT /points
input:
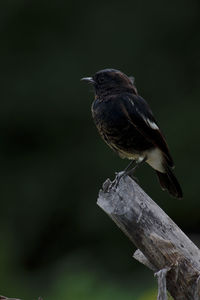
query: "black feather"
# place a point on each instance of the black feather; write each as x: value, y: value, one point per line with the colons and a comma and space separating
x: 137, y: 109
x: 169, y: 182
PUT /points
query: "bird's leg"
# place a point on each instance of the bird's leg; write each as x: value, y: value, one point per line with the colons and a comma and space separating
x: 138, y: 163
x: 123, y: 173
x: 129, y: 165
x: 127, y: 172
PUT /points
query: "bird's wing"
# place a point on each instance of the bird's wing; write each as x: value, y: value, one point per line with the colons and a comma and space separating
x: 141, y: 117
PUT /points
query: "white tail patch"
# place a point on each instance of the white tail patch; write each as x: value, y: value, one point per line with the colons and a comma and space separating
x: 155, y: 159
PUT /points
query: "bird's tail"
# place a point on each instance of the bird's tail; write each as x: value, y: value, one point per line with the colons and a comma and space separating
x: 169, y: 182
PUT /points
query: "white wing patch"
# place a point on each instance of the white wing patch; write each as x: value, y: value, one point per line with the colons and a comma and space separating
x: 150, y: 123
x: 131, y: 101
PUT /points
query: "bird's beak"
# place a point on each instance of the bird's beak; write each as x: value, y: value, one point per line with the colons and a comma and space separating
x: 88, y: 79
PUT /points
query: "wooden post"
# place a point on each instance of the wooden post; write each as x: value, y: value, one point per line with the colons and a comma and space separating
x: 162, y: 246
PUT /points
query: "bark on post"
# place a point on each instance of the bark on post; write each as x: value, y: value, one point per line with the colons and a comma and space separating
x: 163, y: 247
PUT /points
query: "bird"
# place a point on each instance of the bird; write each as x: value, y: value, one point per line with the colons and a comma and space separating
x: 126, y: 123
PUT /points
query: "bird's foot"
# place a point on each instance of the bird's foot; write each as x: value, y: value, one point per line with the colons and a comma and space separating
x: 119, y: 175
x: 114, y: 184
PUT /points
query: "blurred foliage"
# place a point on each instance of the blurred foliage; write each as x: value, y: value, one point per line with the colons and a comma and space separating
x: 52, y: 159
x: 152, y: 295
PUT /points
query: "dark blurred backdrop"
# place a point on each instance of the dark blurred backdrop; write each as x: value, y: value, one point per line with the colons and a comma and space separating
x: 54, y: 240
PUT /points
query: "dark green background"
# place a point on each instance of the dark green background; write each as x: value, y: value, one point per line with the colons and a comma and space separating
x: 54, y: 240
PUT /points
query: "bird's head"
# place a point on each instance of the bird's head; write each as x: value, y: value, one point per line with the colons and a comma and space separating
x: 111, y: 81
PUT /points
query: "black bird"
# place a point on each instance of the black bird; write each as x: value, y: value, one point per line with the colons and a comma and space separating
x: 126, y: 123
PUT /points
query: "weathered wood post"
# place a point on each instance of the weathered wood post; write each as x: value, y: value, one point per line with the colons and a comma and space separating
x: 162, y: 246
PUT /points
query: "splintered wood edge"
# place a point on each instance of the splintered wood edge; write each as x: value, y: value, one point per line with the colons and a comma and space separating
x: 139, y: 256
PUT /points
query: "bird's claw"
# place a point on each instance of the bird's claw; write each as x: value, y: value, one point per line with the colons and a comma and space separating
x: 114, y: 184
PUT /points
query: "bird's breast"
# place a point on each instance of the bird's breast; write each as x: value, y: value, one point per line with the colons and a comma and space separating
x: 116, y: 129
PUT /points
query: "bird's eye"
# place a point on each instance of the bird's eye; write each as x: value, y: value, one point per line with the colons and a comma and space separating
x: 101, y: 80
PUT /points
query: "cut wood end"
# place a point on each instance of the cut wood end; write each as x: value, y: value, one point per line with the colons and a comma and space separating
x: 113, y: 200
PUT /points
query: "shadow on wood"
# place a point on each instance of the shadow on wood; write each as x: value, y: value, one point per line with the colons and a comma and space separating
x: 163, y: 247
